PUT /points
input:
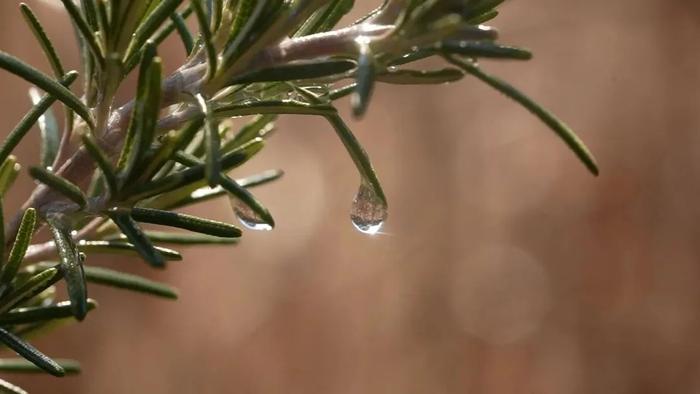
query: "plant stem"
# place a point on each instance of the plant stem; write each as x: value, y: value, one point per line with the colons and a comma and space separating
x: 79, y: 168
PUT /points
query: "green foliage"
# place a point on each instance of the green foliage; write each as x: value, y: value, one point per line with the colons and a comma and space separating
x: 19, y: 248
x: 173, y: 145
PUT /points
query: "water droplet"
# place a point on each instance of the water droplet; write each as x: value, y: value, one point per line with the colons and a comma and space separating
x: 363, y: 40
x: 248, y: 217
x: 368, y: 211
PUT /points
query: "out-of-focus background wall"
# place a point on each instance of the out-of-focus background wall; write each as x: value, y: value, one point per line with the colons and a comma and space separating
x: 504, y: 267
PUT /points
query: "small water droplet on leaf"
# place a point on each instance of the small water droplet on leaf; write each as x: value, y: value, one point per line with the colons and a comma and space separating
x: 248, y: 217
x: 368, y: 212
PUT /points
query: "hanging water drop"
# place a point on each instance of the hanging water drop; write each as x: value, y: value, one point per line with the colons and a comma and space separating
x: 248, y: 217
x: 368, y: 212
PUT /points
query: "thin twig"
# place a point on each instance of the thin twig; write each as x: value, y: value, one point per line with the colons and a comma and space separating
x: 79, y: 168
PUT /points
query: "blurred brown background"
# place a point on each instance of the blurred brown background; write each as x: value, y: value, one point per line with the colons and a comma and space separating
x: 505, y: 267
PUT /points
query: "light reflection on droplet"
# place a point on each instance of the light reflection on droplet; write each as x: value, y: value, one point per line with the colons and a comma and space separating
x: 248, y: 217
x: 368, y: 212
x: 363, y: 40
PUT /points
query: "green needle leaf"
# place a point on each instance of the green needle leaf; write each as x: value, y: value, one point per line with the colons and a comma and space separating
x: 212, y: 142
x: 269, y: 23
x: 147, y: 28
x: 259, y: 179
x: 325, y: 18
x: 194, y: 175
x: 192, y: 195
x: 243, y: 12
x: 71, y: 263
x: 420, y: 77
x: 126, y: 18
x: 50, y: 132
x: 207, y: 38
x: 187, y: 222
x: 135, y: 235
x: 176, y: 238
x: 337, y: 94
x: 293, y: 72
x: 19, y: 248
x: 286, y: 107
x: 103, y: 22
x: 183, y: 32
x: 85, y: 30
x: 247, y: 16
x: 479, y: 7
x: 247, y: 198
x: 8, y: 173
x: 484, y: 49
x: 121, y: 247
x: 131, y: 282
x: 128, y: 156
x: 59, y: 184
x: 9, y: 388
x: 43, y: 81
x: 168, y: 29
x: 467, y: 48
x: 142, y: 128
x: 483, y: 18
x: 102, y: 161
x: 19, y: 365
x: 35, y: 314
x: 358, y: 155
x: 90, y: 11
x: 215, y: 9
x: 43, y: 39
x: 30, y: 353
x: 169, y: 148
x: 30, y: 289
x: 187, y: 159
x: 23, y: 127
x: 260, y: 126
x: 561, y: 129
